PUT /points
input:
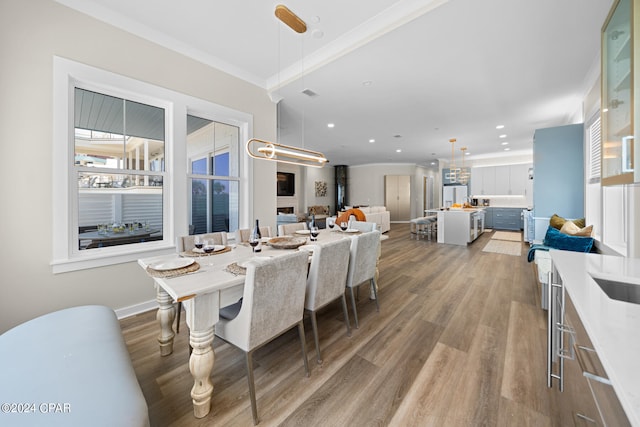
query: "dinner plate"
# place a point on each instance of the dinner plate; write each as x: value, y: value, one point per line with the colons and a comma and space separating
x: 286, y: 242
x: 351, y: 230
x: 306, y: 232
x: 172, y: 264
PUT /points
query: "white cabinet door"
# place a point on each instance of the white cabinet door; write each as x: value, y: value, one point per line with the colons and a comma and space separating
x: 489, y: 180
x: 476, y: 181
x: 518, y: 176
x: 614, y: 218
x: 503, y: 185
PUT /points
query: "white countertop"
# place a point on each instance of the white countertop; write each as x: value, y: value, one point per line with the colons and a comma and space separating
x: 613, y: 326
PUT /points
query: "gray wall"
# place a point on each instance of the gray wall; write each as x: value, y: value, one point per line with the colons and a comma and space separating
x: 31, y: 33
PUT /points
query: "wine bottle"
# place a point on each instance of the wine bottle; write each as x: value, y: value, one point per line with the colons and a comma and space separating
x: 256, y: 231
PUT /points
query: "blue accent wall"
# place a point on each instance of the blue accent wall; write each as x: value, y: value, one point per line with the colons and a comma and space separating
x: 558, y: 171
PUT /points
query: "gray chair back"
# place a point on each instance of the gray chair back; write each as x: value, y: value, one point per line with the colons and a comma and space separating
x: 289, y: 229
x: 327, y: 273
x: 363, y: 259
x: 242, y: 235
x: 273, y: 301
x: 219, y: 238
x: 362, y: 225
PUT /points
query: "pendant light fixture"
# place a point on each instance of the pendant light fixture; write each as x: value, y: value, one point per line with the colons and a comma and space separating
x: 453, y: 174
x: 265, y: 150
x: 464, y: 174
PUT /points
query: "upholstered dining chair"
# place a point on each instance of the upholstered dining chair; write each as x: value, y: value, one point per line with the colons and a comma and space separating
x: 325, y: 282
x: 362, y: 266
x: 272, y: 303
x: 289, y: 229
x: 362, y: 225
x: 185, y: 243
x: 242, y: 235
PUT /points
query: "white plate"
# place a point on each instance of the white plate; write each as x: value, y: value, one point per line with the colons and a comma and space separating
x: 172, y: 264
x: 306, y: 232
x: 217, y: 248
x: 351, y: 230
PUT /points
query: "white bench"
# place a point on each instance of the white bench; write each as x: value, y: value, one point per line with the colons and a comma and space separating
x: 69, y: 368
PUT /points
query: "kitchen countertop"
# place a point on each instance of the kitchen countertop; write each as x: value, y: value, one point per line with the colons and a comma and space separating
x: 613, y: 326
x: 463, y: 210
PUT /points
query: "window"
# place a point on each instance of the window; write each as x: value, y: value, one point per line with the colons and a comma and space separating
x: 119, y: 167
x: 120, y: 162
x: 594, y: 146
x: 212, y: 150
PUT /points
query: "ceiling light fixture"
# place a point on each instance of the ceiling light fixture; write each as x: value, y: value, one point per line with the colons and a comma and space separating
x: 290, y: 19
x: 331, y: 125
x: 265, y: 150
x: 500, y: 127
x: 371, y: 141
x: 502, y: 136
x: 504, y: 143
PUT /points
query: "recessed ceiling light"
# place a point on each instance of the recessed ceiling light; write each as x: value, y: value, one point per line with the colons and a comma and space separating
x: 398, y: 151
x: 367, y: 83
x: 504, y: 143
x: 371, y: 141
x: 433, y: 163
x: 507, y: 149
x: 502, y: 136
x: 467, y: 153
x: 604, y: 110
x: 330, y: 125
x: 500, y: 127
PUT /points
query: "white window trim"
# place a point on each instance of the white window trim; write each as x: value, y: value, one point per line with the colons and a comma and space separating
x: 66, y: 74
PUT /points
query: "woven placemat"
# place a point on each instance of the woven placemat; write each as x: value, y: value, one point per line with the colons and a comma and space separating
x: 165, y: 274
x: 192, y: 254
x: 235, y: 269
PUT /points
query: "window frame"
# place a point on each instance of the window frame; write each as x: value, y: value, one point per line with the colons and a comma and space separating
x: 67, y: 75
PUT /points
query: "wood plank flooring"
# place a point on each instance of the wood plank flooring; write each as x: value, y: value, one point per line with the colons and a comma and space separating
x: 459, y: 341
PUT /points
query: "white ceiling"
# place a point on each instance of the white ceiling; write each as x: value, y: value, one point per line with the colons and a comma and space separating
x: 439, y: 69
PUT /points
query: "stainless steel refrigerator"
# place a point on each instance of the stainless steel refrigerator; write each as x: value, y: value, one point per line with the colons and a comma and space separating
x: 454, y: 194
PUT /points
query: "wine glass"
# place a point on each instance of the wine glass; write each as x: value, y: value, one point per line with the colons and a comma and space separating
x: 208, y: 247
x: 254, y: 240
x: 331, y: 222
x: 314, y: 230
x: 344, y: 225
x: 198, y: 241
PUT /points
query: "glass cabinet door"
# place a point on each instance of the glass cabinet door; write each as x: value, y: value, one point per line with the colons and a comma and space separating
x: 617, y: 96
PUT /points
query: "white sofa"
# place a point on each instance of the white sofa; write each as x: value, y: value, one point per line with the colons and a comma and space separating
x: 378, y: 214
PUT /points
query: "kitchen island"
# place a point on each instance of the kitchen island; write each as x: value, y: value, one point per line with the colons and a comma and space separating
x: 460, y: 226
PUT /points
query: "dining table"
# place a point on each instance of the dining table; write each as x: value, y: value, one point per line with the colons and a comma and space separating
x: 99, y: 237
x: 204, y: 284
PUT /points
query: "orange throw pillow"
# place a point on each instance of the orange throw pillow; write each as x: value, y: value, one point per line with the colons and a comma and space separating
x: 344, y: 217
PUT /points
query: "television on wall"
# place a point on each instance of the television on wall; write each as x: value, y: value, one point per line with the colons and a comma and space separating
x: 286, y: 184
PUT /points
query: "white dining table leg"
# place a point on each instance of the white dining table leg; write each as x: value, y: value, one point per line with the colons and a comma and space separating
x: 201, y: 316
x: 165, y: 316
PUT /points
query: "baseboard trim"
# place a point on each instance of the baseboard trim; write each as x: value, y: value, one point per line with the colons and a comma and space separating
x: 132, y: 310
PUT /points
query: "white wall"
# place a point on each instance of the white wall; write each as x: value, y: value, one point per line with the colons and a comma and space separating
x: 327, y: 175
x: 365, y: 184
x: 31, y: 33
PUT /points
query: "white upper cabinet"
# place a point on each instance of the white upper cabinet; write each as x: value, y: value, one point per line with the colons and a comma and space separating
x: 508, y: 180
x: 503, y: 184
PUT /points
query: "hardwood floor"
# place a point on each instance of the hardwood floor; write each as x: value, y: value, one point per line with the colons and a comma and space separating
x: 459, y: 341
